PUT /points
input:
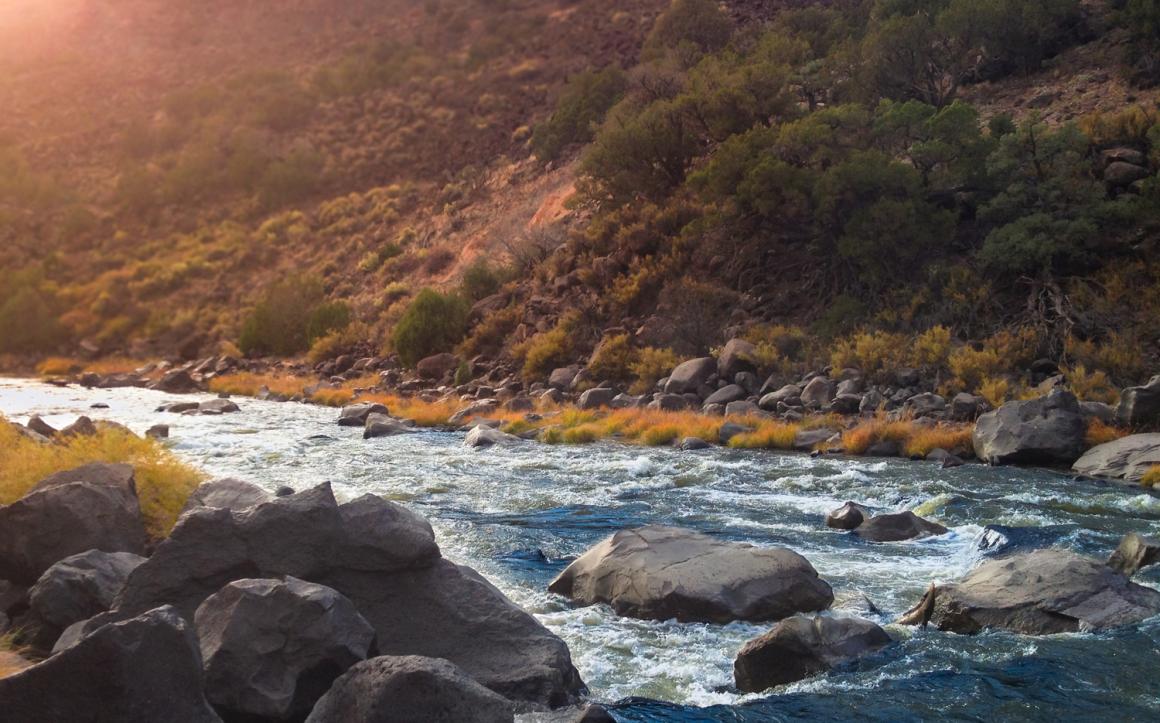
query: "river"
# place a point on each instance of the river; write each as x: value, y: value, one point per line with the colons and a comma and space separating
x: 519, y: 514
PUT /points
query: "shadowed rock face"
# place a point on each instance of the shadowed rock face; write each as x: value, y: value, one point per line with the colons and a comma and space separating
x: 74, y: 589
x: 382, y: 557
x: 802, y: 646
x: 659, y: 573
x: 1043, y: 592
x: 320, y: 634
x: 141, y: 670
x: 91, y: 507
x: 409, y: 688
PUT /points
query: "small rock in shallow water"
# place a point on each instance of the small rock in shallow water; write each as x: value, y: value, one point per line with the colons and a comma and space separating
x: 802, y: 646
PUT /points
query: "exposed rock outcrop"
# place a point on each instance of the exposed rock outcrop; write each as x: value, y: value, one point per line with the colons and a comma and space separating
x: 1047, y: 430
x: 1127, y: 458
x: 1042, y: 592
x: 660, y: 573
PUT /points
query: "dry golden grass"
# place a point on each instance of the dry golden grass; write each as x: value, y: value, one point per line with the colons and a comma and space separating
x: 57, y: 366
x: 1151, y: 478
x: 768, y: 434
x: 954, y: 438
x: 333, y: 397
x: 861, y: 438
x: 1100, y: 433
x: 249, y: 384
x: 914, y: 440
x: 163, y: 481
x: 12, y: 659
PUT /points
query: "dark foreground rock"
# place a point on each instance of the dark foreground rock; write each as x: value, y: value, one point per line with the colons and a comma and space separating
x: 1039, y: 593
x: 897, y: 527
x: 87, y: 508
x: 1048, y: 430
x: 318, y: 632
x: 659, y: 573
x: 74, y: 589
x: 142, y: 670
x: 450, y: 611
x: 802, y: 646
x: 228, y: 494
x: 1127, y: 458
x: 382, y: 557
x: 390, y: 689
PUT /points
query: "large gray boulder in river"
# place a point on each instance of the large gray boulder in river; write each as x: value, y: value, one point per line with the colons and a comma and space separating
x: 143, y: 670
x: 319, y: 636
x: 1037, y: 593
x: 1047, y: 430
x: 659, y: 573
x: 1127, y: 458
x: 382, y: 557
x: 409, y: 688
x: 802, y: 646
x: 87, y: 508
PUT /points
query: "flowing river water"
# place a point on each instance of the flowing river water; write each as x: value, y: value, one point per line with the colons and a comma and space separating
x: 519, y: 514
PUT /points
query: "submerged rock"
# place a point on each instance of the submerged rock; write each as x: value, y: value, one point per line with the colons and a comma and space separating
x: 141, y: 670
x: 659, y: 573
x: 484, y: 436
x: 802, y: 646
x: 1047, y: 430
x: 409, y: 688
x: 1040, y: 593
x: 320, y: 635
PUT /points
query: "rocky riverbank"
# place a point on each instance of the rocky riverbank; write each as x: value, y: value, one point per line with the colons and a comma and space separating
x: 700, y: 403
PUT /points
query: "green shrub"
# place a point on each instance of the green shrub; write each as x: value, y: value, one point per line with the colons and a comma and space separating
x: 289, y: 317
x: 290, y: 179
x: 28, y: 316
x: 697, y: 23
x: 584, y: 100
x: 613, y: 359
x: 433, y: 323
x: 327, y: 317
x: 481, y: 279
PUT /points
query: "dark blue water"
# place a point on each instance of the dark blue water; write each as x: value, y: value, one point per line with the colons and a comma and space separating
x: 519, y: 515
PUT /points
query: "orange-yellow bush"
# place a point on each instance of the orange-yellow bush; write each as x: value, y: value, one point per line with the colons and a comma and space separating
x: 769, y: 434
x: 249, y: 384
x: 1100, y: 433
x: 1151, y: 478
x: 164, y: 482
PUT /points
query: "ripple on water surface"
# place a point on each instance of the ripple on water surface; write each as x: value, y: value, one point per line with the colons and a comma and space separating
x: 520, y: 514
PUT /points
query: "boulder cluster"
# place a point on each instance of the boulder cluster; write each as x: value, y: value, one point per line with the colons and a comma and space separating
x: 258, y: 608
